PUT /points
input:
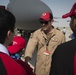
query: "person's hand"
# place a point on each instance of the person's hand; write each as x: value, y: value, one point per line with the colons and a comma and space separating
x: 27, y: 59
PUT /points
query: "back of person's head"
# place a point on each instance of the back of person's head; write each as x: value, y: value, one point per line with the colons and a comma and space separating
x: 7, y: 22
x: 46, y: 16
x: 72, y: 15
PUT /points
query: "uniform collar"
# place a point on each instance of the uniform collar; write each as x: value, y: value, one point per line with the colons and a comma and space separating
x: 3, y: 49
x: 52, y: 33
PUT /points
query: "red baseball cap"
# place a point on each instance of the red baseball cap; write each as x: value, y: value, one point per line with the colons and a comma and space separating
x: 18, y: 44
x: 72, y: 12
x: 45, y: 16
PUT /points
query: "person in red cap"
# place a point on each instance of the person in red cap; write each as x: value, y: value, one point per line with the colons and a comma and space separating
x: 45, y: 39
x: 64, y: 57
x: 16, y: 50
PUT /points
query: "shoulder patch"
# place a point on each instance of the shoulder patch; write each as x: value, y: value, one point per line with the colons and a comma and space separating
x: 31, y: 36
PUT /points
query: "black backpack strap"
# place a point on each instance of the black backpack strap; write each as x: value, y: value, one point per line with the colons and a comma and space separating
x: 2, y: 68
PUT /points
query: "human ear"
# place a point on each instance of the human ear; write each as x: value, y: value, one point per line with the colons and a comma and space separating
x: 75, y: 21
x: 9, y: 33
x: 52, y: 20
x: 73, y: 24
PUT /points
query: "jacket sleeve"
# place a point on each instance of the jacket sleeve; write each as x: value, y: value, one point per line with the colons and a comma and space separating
x: 63, y: 39
x: 31, y: 45
x: 26, y: 67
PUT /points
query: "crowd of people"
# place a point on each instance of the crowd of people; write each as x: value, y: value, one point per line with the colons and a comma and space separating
x: 55, y: 56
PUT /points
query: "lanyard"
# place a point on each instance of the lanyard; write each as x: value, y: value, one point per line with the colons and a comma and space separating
x: 48, y: 40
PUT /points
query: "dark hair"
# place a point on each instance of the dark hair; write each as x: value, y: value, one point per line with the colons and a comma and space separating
x: 7, y: 22
x: 51, y: 16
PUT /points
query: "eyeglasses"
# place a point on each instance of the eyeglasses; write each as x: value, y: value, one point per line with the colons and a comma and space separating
x: 44, y: 22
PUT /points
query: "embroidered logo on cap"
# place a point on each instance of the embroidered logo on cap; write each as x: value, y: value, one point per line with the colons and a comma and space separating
x: 44, y: 14
x: 14, y: 42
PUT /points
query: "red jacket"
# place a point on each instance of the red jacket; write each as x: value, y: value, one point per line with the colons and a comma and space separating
x: 10, y: 67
